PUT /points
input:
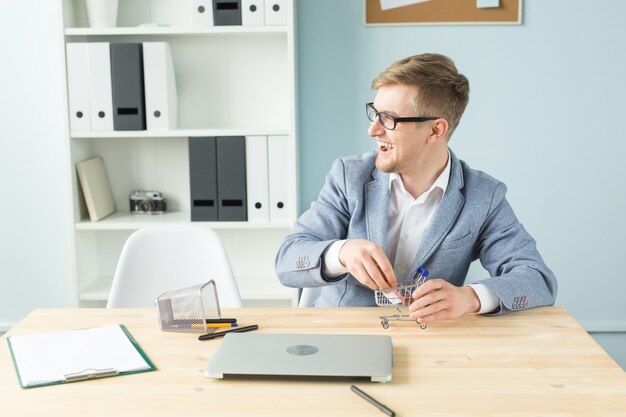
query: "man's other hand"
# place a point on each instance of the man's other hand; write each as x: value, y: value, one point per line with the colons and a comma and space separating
x: 437, y: 299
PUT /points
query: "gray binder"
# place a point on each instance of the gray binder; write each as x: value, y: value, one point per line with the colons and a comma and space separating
x: 226, y: 12
x: 203, y: 178
x: 127, y: 83
x: 231, y: 179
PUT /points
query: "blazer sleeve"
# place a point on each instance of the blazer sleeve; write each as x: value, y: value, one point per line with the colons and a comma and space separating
x: 518, y: 275
x: 299, y: 261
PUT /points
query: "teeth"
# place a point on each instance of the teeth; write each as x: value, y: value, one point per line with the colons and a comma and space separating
x: 385, y: 146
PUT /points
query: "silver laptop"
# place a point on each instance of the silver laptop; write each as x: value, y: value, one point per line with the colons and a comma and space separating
x: 302, y: 355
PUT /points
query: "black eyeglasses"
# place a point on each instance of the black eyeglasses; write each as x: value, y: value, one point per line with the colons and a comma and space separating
x: 388, y: 121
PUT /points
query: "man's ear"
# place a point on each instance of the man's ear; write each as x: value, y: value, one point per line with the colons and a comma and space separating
x: 439, y: 130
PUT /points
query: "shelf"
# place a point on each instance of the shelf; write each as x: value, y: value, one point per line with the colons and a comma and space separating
x: 173, y: 31
x: 179, y: 133
x: 127, y: 221
x: 231, y: 81
x: 99, y: 291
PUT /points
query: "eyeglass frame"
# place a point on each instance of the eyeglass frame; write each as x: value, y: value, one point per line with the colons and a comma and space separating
x: 395, y: 119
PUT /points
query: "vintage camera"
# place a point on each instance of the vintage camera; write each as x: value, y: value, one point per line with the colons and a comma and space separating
x: 147, y: 202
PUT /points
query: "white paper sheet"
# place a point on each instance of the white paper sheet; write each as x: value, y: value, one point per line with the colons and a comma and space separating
x: 49, y: 357
x: 393, y: 4
x: 394, y: 296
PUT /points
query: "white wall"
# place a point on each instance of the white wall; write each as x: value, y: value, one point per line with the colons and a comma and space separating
x: 35, y: 211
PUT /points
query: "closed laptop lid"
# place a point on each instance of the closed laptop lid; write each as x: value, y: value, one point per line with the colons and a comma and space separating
x: 302, y: 355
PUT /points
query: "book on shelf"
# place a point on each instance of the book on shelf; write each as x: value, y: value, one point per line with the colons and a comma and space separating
x: 96, y: 188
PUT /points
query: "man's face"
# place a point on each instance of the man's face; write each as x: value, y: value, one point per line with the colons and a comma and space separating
x: 401, y: 149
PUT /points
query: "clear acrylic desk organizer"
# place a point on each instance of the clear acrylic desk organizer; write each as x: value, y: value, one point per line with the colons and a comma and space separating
x: 187, y: 309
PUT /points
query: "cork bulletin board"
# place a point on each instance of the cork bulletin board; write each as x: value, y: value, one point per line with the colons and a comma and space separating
x: 412, y: 12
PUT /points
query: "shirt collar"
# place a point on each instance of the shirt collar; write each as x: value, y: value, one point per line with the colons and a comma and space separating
x: 441, y: 182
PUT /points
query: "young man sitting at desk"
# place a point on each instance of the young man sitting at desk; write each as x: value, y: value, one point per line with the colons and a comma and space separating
x: 412, y: 202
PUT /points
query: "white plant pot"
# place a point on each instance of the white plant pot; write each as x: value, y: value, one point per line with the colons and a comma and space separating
x: 102, y: 13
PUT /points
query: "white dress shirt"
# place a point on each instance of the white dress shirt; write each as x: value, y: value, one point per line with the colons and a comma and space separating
x: 406, y: 225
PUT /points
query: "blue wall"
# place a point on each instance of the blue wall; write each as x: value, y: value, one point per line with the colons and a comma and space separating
x: 545, y: 115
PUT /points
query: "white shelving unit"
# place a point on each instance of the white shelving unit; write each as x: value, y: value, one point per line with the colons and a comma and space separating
x: 179, y: 133
x: 231, y: 81
x: 173, y: 31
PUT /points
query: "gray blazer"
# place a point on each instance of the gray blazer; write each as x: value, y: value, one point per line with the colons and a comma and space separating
x: 473, y: 221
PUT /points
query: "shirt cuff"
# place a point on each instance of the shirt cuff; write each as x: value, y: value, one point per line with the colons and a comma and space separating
x: 488, y: 300
x: 332, y: 266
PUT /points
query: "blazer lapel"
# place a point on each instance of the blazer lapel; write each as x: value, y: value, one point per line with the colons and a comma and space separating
x: 447, y: 212
x: 377, y: 207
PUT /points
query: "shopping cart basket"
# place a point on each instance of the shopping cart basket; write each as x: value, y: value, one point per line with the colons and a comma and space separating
x: 400, y: 298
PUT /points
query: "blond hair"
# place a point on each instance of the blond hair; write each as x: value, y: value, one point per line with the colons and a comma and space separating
x: 442, y: 91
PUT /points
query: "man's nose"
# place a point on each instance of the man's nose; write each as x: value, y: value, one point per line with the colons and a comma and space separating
x: 376, y: 128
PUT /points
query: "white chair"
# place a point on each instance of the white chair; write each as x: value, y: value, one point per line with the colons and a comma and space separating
x: 308, y: 296
x: 159, y: 259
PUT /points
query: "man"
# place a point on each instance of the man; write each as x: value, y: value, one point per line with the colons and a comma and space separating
x: 383, y: 214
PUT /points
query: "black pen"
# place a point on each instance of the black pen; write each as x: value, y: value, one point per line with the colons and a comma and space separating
x: 372, y: 401
x: 223, y: 320
x: 236, y: 329
x: 189, y: 322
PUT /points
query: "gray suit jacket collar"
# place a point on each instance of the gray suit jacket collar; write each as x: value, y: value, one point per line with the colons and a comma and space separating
x: 377, y: 199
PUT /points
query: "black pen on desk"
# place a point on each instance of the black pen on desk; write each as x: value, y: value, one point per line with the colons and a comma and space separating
x: 236, y: 329
x: 372, y: 401
x: 194, y: 322
x: 222, y: 320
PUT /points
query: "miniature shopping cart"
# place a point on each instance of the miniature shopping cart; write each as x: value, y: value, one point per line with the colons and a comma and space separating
x: 399, y: 298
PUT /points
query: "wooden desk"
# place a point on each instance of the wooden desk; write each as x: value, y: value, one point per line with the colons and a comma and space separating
x: 532, y: 363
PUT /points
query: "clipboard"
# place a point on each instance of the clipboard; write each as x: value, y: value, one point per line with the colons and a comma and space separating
x: 53, y: 358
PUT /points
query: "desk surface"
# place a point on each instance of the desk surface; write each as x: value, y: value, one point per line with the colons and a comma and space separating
x: 532, y: 363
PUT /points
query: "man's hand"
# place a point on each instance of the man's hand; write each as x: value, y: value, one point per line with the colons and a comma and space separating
x: 368, y: 263
x: 437, y: 299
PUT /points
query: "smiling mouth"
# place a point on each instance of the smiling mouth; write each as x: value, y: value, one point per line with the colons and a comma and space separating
x: 384, y: 146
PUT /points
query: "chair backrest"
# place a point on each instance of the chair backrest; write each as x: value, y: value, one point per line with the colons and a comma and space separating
x: 164, y: 258
x: 308, y: 296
